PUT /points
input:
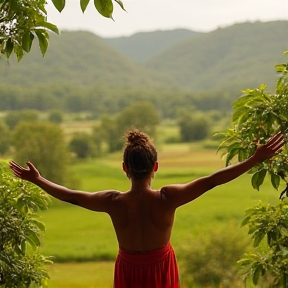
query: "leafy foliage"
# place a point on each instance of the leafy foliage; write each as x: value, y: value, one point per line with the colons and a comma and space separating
x: 211, y: 260
x: 270, y: 223
x: 5, y: 140
x: 21, y: 263
x: 22, y: 21
x: 257, y: 115
x: 104, y: 7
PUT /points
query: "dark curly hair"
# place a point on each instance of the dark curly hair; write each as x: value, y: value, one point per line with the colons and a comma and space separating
x: 140, y: 154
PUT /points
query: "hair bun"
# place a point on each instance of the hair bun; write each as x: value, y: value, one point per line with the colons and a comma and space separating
x: 136, y: 137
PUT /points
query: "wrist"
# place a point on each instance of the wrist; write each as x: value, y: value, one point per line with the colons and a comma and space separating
x: 256, y: 159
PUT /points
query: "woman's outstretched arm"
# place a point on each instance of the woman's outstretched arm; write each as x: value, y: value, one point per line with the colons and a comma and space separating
x: 180, y: 194
x: 97, y: 201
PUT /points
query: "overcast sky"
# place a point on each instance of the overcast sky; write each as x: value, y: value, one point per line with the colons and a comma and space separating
x: 151, y: 15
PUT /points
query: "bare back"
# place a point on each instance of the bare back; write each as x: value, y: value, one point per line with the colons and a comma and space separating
x: 142, y: 220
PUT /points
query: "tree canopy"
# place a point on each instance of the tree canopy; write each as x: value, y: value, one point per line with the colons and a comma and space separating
x: 23, y: 20
x: 257, y: 115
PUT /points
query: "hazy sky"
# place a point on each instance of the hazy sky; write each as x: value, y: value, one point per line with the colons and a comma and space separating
x: 150, y: 15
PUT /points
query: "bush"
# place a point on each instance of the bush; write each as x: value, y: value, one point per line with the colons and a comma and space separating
x: 21, y: 264
x: 43, y: 143
x: 193, y: 127
x: 268, y: 262
x: 211, y: 259
x: 82, y: 145
x: 56, y: 116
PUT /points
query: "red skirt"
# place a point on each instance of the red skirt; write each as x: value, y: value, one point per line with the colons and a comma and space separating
x: 152, y: 269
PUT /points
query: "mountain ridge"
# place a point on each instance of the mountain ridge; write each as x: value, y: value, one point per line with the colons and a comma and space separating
x: 228, y: 59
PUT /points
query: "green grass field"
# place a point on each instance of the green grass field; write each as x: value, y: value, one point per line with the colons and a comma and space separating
x: 78, y: 236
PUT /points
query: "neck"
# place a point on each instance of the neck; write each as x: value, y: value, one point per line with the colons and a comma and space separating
x: 140, y: 184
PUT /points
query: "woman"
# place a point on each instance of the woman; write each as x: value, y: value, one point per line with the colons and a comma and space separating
x: 143, y: 217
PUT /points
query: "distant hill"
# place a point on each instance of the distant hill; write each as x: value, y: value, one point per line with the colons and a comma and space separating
x: 227, y: 59
x: 233, y: 58
x: 141, y: 47
x: 77, y: 58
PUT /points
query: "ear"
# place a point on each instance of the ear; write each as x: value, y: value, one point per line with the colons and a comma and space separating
x: 156, y: 166
x: 124, y: 167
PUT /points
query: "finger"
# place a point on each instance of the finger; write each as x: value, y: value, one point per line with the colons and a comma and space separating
x: 18, y: 174
x: 279, y: 134
x: 276, y: 149
x: 30, y: 165
x: 15, y: 167
x: 14, y: 164
x: 275, y: 140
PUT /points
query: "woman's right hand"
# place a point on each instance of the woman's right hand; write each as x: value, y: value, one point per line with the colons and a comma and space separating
x: 271, y: 148
x: 29, y: 174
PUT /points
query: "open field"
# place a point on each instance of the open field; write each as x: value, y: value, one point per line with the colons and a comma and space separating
x: 82, y: 275
x: 74, y: 234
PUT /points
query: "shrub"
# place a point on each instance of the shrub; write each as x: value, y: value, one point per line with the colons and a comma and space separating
x: 211, y: 259
x: 21, y: 264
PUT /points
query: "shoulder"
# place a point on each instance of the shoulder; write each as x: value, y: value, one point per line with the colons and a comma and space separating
x: 108, y: 194
x: 171, y: 189
x: 179, y: 194
x: 169, y: 192
x: 101, y: 201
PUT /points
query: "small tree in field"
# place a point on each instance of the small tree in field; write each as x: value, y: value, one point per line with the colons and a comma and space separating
x: 44, y: 144
x: 21, y: 264
x: 257, y: 116
x: 193, y: 127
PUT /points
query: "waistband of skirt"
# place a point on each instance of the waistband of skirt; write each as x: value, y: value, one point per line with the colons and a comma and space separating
x: 147, y: 257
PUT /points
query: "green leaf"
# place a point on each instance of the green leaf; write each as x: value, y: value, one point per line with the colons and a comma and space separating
x: 104, y: 7
x: 83, y: 4
x: 19, y: 52
x: 9, y: 47
x: 258, y: 178
x: 256, y: 275
x: 59, y: 4
x: 279, y: 68
x: 258, y: 237
x: 49, y: 26
x: 245, y: 221
x: 40, y: 225
x: 120, y: 3
x: 239, y: 113
x: 43, y: 41
x: 242, y: 155
x: 12, y: 7
x: 275, y: 180
x: 27, y: 41
x: 241, y: 101
x: 33, y: 238
x: 231, y: 155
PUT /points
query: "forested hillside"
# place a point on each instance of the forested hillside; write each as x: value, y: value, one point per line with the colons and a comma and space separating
x: 81, y: 72
x: 77, y: 58
x: 233, y: 58
x: 142, y: 46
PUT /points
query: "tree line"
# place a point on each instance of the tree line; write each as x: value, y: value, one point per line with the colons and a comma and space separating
x: 103, y: 99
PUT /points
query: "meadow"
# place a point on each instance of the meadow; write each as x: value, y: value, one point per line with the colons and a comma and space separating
x: 83, y: 242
